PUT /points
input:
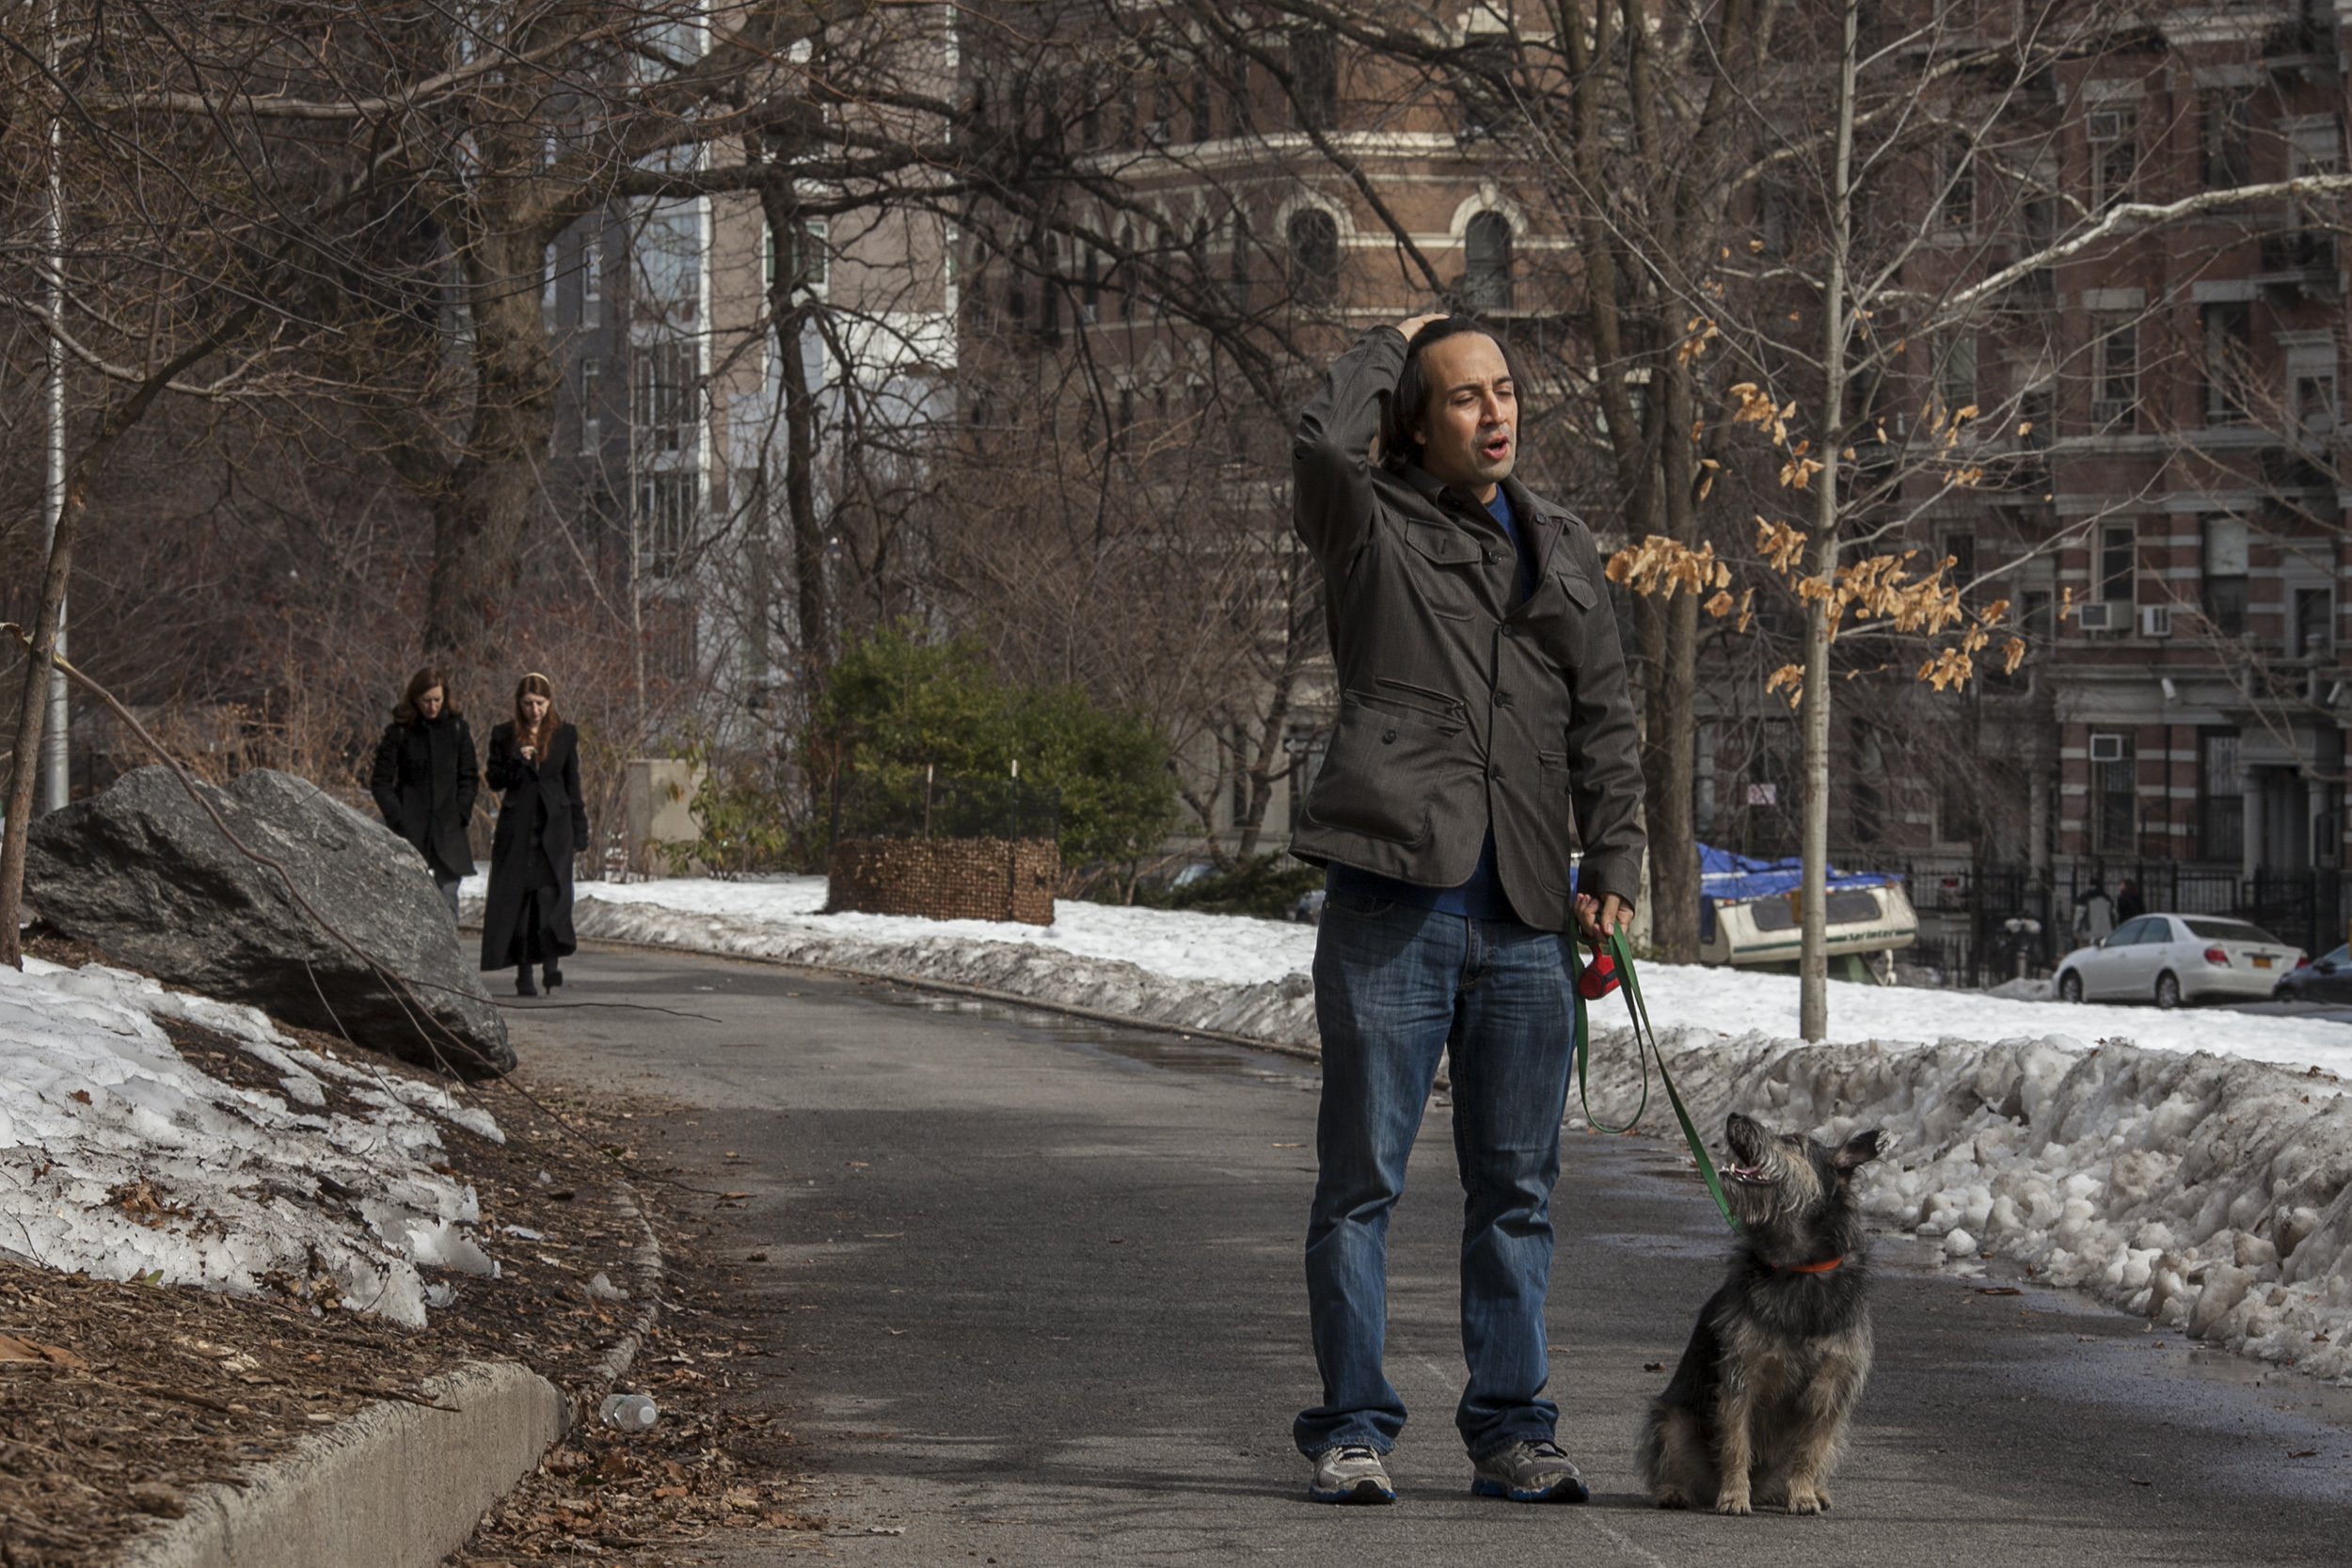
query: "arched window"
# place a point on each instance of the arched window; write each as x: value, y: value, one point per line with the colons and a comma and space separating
x: 1314, y: 256
x: 1487, y: 250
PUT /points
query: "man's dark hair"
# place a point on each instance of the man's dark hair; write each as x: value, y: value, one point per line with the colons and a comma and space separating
x: 1410, y: 402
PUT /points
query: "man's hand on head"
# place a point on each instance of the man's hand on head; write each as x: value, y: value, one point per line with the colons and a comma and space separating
x: 1417, y: 322
x: 1598, y: 918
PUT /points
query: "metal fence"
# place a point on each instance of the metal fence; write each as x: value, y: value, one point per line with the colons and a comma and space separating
x: 1979, y: 924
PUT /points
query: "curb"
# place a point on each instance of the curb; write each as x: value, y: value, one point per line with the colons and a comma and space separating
x: 401, y: 1484
x: 395, y: 1486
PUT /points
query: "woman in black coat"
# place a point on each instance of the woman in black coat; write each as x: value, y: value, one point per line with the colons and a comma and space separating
x: 426, y: 779
x: 535, y: 766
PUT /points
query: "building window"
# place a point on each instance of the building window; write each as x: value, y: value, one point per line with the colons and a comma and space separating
x: 2114, y: 156
x: 1123, y: 419
x: 590, y: 407
x: 1315, y: 256
x: 1956, y: 820
x: 665, y: 396
x: 2040, y: 216
x: 665, y: 521
x: 1486, y: 253
x: 1237, y: 275
x: 1956, y: 374
x: 2115, y: 371
x: 1090, y: 287
x: 2312, y: 628
x: 2035, y: 622
x: 2119, y: 565
x: 669, y: 257
x: 1865, y: 811
x: 2114, y: 795
x: 2312, y: 399
x: 592, y: 281
x: 2226, y: 132
x: 1239, y: 69
x: 1962, y: 550
x: 2224, y: 575
x: 1956, y: 188
x: 2220, y: 797
x: 1314, y: 80
x: 2229, y: 331
x: 1487, y: 99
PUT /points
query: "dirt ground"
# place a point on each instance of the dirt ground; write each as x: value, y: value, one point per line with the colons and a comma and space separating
x: 116, y: 1401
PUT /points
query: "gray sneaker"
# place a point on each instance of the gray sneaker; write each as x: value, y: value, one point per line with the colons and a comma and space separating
x: 1530, y: 1473
x: 1351, y: 1473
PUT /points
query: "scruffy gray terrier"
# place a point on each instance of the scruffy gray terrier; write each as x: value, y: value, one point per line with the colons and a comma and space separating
x: 1755, y: 1414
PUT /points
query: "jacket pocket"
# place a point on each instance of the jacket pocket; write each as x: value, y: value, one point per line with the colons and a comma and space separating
x: 1553, y: 822
x: 1427, y: 699
x: 1578, y: 588
x: 1388, y: 761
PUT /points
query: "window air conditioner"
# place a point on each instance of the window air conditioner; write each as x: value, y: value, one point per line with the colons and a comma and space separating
x: 2106, y: 748
x: 2155, y: 620
x: 2095, y: 615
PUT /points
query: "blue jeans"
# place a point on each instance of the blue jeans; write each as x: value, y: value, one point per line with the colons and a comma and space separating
x: 1396, y: 986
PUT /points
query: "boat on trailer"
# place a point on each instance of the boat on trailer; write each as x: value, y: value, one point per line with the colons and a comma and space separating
x: 1752, y: 915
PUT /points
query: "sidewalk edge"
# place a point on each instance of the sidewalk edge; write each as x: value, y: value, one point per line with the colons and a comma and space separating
x: 397, y: 1485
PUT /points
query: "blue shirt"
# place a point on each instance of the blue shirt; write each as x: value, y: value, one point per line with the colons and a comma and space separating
x: 1481, y: 897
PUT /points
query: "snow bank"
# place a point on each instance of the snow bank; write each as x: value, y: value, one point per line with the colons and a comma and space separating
x: 122, y: 1160
x: 2211, y: 1195
x: 1154, y: 966
x: 1252, y: 968
x: 2194, y: 1166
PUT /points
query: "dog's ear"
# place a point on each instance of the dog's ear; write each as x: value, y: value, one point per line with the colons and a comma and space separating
x: 1863, y: 1148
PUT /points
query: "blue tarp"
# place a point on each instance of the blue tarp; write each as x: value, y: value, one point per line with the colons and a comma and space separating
x: 1738, y: 878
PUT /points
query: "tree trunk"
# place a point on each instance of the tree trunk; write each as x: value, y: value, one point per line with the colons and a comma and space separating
x: 483, y: 514
x: 1836, y: 342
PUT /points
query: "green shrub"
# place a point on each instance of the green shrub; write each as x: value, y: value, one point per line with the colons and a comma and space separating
x: 900, y: 703
x: 1264, y: 885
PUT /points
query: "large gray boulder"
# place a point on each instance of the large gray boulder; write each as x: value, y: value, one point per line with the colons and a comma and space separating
x: 140, y: 871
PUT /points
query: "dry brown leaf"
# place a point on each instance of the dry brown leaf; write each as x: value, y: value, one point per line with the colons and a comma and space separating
x: 14, y: 1349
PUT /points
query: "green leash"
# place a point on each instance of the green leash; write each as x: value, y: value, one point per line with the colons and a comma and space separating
x: 1645, y: 1051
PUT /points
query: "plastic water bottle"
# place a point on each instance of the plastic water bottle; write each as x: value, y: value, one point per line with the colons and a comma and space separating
x: 628, y: 1411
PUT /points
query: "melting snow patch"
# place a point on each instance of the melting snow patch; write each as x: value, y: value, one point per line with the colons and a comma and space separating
x: 120, y: 1159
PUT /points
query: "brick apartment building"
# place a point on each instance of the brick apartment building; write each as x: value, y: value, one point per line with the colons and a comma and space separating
x: 2181, y: 718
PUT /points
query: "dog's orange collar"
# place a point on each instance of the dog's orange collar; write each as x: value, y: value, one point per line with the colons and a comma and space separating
x: 1822, y: 1267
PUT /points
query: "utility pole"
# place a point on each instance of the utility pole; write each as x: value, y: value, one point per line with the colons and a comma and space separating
x: 56, y: 753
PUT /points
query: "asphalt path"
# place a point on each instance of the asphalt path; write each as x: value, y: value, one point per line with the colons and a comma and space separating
x: 1031, y: 1293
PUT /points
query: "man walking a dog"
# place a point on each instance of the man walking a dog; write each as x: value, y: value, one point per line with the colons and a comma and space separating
x: 1483, y: 709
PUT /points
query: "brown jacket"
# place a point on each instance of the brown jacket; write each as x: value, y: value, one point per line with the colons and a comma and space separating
x: 1457, y: 709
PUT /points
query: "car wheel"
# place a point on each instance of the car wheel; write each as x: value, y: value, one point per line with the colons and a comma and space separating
x: 2069, y: 987
x: 2167, y: 990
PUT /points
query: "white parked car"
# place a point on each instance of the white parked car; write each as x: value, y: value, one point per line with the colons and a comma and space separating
x: 2173, y: 958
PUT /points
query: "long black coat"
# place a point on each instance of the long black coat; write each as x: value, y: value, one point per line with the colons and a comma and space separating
x: 537, y: 801
x: 425, y: 783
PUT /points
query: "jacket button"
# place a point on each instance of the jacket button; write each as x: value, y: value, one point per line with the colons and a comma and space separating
x: 1493, y: 556
x: 1509, y: 629
x: 1495, y: 774
x: 1503, y: 698
x: 1387, y: 735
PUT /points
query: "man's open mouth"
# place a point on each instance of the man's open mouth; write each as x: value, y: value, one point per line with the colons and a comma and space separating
x: 1496, y: 450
